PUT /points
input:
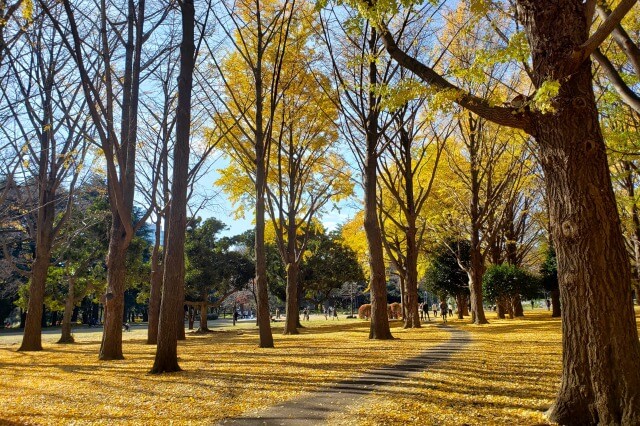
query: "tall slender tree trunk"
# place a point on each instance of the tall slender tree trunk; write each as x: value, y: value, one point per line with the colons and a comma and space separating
x: 263, y: 317
x: 600, y: 375
x: 476, y: 267
x: 461, y: 301
x: 69, y: 303
x: 155, y: 292
x: 412, y: 318
x: 172, y: 304
x: 262, y: 296
x: 379, y: 328
x: 32, y: 339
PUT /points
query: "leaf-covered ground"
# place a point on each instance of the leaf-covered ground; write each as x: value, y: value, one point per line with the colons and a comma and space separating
x: 508, y: 375
x: 225, y: 374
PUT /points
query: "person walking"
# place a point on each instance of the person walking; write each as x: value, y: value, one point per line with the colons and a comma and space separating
x: 444, y: 310
x: 425, y: 310
x: 435, y: 310
x: 335, y: 313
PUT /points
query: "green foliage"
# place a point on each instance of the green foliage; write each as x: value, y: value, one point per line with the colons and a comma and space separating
x: 329, y: 265
x: 444, y: 276
x: 211, y: 264
x: 508, y: 281
x: 542, y: 101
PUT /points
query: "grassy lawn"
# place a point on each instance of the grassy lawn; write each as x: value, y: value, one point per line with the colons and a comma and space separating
x: 225, y: 373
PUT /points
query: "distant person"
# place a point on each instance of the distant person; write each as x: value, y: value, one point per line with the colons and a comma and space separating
x: 277, y: 313
x: 444, y: 309
x: 305, y: 314
x: 325, y: 312
x: 425, y: 310
x: 533, y: 304
x: 235, y: 317
x: 126, y: 326
x: 435, y: 310
x: 335, y: 313
x: 548, y: 304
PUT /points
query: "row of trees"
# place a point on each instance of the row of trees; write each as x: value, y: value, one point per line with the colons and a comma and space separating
x: 278, y: 83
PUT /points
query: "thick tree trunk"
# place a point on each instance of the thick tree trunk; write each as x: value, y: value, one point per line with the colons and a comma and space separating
x: 66, y: 336
x: 476, y: 267
x: 172, y: 304
x: 475, y: 287
x: 32, y: 339
x: 516, y: 303
x: 291, y: 320
x: 555, y: 303
x: 501, y: 309
x: 111, y: 347
x: 601, y: 378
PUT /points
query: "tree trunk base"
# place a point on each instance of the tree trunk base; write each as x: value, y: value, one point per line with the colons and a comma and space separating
x: 66, y: 340
x: 173, y: 368
x: 27, y: 348
x: 290, y: 332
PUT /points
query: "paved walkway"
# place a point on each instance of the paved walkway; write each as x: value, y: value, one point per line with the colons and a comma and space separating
x: 314, y: 407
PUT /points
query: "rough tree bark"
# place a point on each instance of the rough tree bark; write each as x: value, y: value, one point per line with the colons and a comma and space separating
x: 263, y: 317
x: 379, y: 328
x: 601, y: 378
x: 172, y: 305
x: 119, y: 239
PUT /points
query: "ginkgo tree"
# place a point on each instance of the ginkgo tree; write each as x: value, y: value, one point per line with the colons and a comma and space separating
x: 601, y: 381
x: 251, y: 89
x: 308, y: 170
x: 408, y: 168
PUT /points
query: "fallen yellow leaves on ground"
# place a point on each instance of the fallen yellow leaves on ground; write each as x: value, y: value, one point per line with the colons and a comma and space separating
x: 508, y: 375
x: 225, y: 374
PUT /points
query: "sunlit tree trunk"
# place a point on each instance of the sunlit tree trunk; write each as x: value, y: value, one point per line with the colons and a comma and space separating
x: 600, y: 379
x: 172, y: 305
